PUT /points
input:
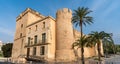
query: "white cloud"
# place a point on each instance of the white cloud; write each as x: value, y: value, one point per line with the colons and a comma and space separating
x: 6, y: 31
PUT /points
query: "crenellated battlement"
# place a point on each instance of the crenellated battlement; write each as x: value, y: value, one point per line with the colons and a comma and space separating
x: 64, y: 10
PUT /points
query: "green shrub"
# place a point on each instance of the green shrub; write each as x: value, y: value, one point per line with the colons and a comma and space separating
x: 7, y: 49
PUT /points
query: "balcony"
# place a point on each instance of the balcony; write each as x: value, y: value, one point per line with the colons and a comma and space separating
x: 36, y: 58
x: 37, y: 44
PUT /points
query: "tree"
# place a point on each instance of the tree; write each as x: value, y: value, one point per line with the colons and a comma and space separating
x: 78, y: 43
x: 96, y: 38
x: 109, y: 47
x: 80, y: 18
x: 7, y: 49
x: 117, y: 48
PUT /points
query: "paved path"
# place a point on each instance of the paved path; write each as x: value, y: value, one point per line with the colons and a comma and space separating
x: 4, y: 61
x: 115, y: 59
x: 112, y: 60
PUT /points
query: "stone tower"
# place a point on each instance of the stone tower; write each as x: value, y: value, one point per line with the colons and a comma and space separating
x: 20, y: 34
x: 64, y: 37
x: 22, y: 21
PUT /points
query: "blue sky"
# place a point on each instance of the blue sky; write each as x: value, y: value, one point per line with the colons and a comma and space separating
x: 105, y: 12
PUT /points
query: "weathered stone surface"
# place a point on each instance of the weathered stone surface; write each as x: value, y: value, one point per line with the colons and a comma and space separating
x: 64, y: 35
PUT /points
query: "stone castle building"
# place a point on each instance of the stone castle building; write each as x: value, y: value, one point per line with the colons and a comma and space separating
x: 45, y: 38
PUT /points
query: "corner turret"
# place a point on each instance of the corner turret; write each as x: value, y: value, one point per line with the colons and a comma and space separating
x: 64, y: 37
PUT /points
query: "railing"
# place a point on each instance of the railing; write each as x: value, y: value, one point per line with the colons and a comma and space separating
x: 35, y: 59
x: 37, y: 44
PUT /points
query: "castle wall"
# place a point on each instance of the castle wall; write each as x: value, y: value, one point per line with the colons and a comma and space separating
x: 32, y: 18
x: 64, y: 35
x: 49, y: 29
x: 32, y: 31
x: 25, y: 18
x: 88, y: 51
x: 52, y: 37
x: 19, y: 38
x: 20, y: 29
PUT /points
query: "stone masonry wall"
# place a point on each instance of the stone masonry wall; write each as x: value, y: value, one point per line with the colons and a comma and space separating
x: 64, y: 35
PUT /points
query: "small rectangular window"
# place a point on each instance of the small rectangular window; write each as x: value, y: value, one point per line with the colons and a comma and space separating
x: 35, y: 39
x: 20, y: 35
x: 28, y: 52
x: 42, y: 50
x: 43, y: 37
x: 34, y: 50
x: 21, y: 25
x: 43, y: 24
x: 36, y: 28
x: 29, y: 40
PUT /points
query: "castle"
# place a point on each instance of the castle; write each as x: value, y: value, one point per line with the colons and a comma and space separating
x: 45, y: 38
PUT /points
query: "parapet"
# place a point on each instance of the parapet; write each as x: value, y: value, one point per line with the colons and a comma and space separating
x: 64, y: 10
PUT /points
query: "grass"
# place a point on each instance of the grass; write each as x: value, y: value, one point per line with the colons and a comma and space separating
x: 1, y: 54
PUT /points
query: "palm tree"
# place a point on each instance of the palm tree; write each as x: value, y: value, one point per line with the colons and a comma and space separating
x: 96, y: 38
x: 78, y: 43
x: 109, y: 46
x: 80, y: 18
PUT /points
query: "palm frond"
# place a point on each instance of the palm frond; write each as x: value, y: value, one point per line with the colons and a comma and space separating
x: 80, y: 15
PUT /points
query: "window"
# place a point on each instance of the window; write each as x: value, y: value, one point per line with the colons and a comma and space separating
x: 36, y: 28
x: 20, y: 35
x: 43, y: 37
x: 28, y: 40
x: 34, y: 50
x: 43, y: 24
x: 42, y: 50
x: 35, y: 39
x: 22, y: 43
x: 28, y: 52
x: 21, y: 25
